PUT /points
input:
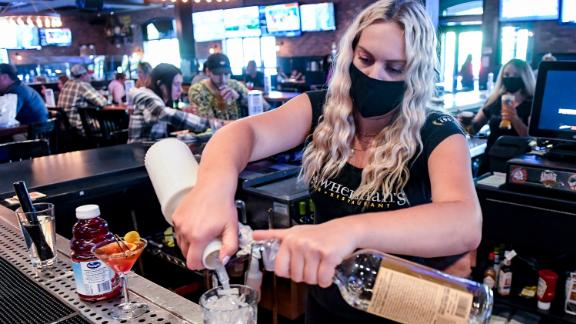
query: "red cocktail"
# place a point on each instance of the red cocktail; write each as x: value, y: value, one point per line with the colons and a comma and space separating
x: 121, y: 255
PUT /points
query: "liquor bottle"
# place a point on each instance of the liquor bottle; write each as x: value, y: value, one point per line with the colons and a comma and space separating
x: 505, y: 274
x: 403, y: 291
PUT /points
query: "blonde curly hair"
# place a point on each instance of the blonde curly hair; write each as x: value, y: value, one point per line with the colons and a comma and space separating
x: 387, y: 169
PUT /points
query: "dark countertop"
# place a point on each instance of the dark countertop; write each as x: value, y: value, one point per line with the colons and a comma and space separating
x: 75, y: 168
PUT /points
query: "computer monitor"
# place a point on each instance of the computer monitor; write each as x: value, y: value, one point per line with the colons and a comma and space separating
x: 554, y: 106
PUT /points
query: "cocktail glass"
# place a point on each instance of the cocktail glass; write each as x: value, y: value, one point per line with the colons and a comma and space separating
x: 121, y: 256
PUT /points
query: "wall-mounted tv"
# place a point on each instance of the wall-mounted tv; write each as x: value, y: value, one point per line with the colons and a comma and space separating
x: 55, y: 37
x: 208, y: 25
x: 568, y: 11
x: 317, y: 17
x: 18, y: 37
x: 528, y: 10
x: 281, y: 20
x: 242, y: 22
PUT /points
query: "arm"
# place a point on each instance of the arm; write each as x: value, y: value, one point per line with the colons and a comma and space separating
x: 449, y: 225
x: 94, y: 96
x: 479, y: 120
x: 208, y: 210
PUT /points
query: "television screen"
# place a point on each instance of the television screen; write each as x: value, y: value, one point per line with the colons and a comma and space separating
x: 568, y: 8
x: 55, y: 36
x: 208, y: 25
x: 282, y: 20
x: 526, y: 10
x: 318, y: 17
x: 242, y: 22
x: 18, y: 37
x: 554, y: 107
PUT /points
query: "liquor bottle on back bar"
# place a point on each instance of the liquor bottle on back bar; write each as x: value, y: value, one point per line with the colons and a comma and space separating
x: 404, y: 291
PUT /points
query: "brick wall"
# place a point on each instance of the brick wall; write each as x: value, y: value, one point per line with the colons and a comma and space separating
x: 87, y: 28
x: 85, y: 31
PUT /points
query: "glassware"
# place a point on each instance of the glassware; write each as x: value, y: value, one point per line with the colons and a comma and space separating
x: 403, y: 291
x: 507, y: 100
x: 39, y: 231
x: 121, y: 256
x: 237, y: 305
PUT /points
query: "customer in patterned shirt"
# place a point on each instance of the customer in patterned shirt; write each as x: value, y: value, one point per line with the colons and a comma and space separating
x: 219, y: 96
x: 78, y: 93
x: 151, y: 116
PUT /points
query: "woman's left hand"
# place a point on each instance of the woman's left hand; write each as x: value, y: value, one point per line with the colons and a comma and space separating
x: 310, y: 253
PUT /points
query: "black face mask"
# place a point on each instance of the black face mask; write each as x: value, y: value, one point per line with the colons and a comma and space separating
x: 513, y: 84
x: 374, y: 97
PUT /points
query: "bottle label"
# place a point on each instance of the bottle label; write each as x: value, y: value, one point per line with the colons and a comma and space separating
x: 504, y: 283
x: 407, y: 299
x: 542, y: 286
x: 92, y: 278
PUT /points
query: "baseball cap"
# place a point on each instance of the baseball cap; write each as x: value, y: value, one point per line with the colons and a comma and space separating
x: 218, y: 63
x: 78, y: 70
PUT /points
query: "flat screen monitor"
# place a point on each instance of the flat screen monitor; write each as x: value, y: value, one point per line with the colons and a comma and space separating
x: 18, y: 37
x: 282, y: 19
x: 208, y: 25
x: 527, y: 10
x: 55, y: 37
x: 317, y: 17
x: 242, y: 22
x: 554, y: 107
x: 568, y: 11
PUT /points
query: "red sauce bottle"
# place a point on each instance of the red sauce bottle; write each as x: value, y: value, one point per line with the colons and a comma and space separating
x: 94, y: 279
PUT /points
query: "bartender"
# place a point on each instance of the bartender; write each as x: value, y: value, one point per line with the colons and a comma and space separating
x: 384, y: 173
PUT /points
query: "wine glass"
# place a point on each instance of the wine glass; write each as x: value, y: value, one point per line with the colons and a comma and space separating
x: 121, y: 255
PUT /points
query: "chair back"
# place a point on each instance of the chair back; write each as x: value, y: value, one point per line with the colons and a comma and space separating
x: 24, y: 150
x: 104, y: 127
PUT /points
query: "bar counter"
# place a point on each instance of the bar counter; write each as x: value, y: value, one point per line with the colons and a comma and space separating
x: 50, y: 297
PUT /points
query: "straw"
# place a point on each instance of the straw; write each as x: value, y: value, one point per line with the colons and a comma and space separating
x: 34, y: 231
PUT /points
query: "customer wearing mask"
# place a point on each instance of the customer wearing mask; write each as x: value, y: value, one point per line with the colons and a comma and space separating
x: 30, y: 107
x: 384, y: 172
x: 515, y: 78
x: 153, y: 104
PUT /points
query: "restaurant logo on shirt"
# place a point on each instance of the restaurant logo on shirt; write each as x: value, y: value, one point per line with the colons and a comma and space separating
x: 343, y: 193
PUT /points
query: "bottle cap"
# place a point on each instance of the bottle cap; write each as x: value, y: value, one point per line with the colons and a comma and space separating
x: 211, y: 254
x: 87, y: 211
x: 543, y: 305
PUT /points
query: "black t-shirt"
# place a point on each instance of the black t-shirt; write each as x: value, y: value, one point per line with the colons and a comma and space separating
x: 494, y: 115
x: 332, y: 198
x: 257, y: 80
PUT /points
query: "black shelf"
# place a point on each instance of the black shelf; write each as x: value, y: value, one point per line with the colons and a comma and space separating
x: 556, y: 313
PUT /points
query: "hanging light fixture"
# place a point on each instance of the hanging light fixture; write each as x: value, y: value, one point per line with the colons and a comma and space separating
x: 49, y: 20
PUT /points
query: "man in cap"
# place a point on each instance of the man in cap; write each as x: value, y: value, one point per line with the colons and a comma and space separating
x: 219, y: 96
x: 78, y: 93
x: 30, y: 107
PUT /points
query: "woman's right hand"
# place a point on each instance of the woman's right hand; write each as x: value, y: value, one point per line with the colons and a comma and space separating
x: 201, y: 217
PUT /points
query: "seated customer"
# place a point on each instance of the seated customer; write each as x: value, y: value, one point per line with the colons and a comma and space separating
x: 151, y: 116
x: 116, y: 88
x: 30, y: 107
x: 253, y: 78
x: 144, y: 69
x: 78, y: 93
x: 219, y: 96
